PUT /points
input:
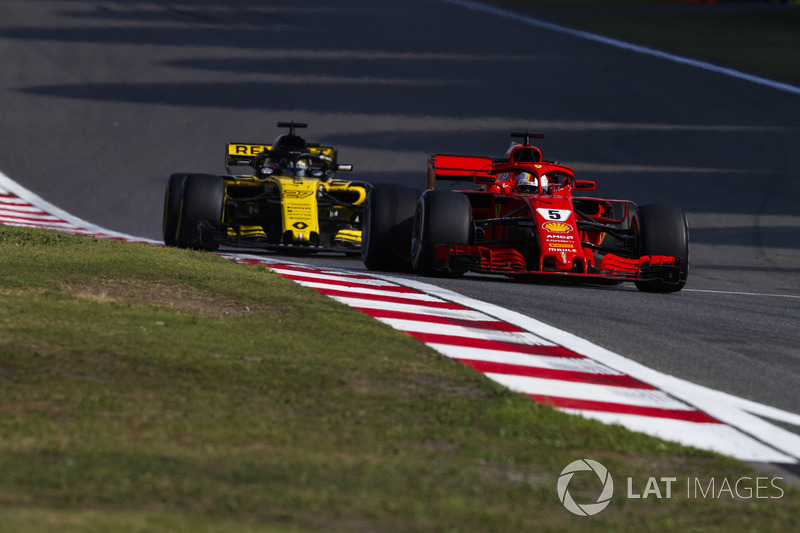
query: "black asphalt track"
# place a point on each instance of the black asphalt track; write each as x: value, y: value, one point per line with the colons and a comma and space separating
x: 101, y: 101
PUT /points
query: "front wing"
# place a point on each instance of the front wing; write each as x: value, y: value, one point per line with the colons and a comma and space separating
x: 510, y: 262
x: 346, y: 240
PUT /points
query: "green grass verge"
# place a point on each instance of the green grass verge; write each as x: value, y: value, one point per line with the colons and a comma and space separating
x: 756, y: 37
x: 152, y: 389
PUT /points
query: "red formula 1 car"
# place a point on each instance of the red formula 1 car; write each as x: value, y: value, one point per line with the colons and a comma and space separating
x: 522, y: 219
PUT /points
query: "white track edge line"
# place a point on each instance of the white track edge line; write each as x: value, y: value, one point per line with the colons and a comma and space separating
x: 726, y: 408
x: 36, y: 200
x: 504, y: 13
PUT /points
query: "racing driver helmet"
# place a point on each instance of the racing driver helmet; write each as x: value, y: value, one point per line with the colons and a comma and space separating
x: 527, y: 183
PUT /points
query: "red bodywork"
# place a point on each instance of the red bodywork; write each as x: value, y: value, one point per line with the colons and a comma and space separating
x: 542, y: 231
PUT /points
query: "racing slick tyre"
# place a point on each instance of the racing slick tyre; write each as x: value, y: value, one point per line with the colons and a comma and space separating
x: 442, y: 217
x: 202, y: 200
x: 662, y: 230
x: 388, y: 221
x: 172, y: 209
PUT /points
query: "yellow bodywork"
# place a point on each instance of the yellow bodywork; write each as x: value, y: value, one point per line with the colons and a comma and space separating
x: 348, y: 237
x: 299, y: 208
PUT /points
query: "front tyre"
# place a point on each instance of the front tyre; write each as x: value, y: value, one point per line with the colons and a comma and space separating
x: 202, y: 201
x: 442, y: 217
x: 172, y: 209
x: 662, y: 230
x: 388, y: 220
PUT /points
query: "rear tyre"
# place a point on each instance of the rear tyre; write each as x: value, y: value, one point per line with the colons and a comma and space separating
x: 442, y: 217
x: 202, y: 200
x: 662, y: 230
x: 172, y: 209
x: 386, y: 232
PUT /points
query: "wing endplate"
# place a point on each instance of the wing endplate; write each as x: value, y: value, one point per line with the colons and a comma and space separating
x: 458, y: 168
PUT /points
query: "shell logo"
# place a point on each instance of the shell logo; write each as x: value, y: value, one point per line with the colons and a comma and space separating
x: 557, y: 227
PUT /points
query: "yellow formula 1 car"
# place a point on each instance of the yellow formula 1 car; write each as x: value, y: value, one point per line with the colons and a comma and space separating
x: 292, y: 201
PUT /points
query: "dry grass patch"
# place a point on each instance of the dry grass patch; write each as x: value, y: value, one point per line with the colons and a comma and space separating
x: 162, y: 294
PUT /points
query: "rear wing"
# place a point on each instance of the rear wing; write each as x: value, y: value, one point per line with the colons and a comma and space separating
x: 459, y: 168
x: 242, y: 154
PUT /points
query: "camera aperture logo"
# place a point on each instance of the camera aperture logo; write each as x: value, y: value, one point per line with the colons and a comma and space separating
x: 711, y: 489
x: 586, y: 509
